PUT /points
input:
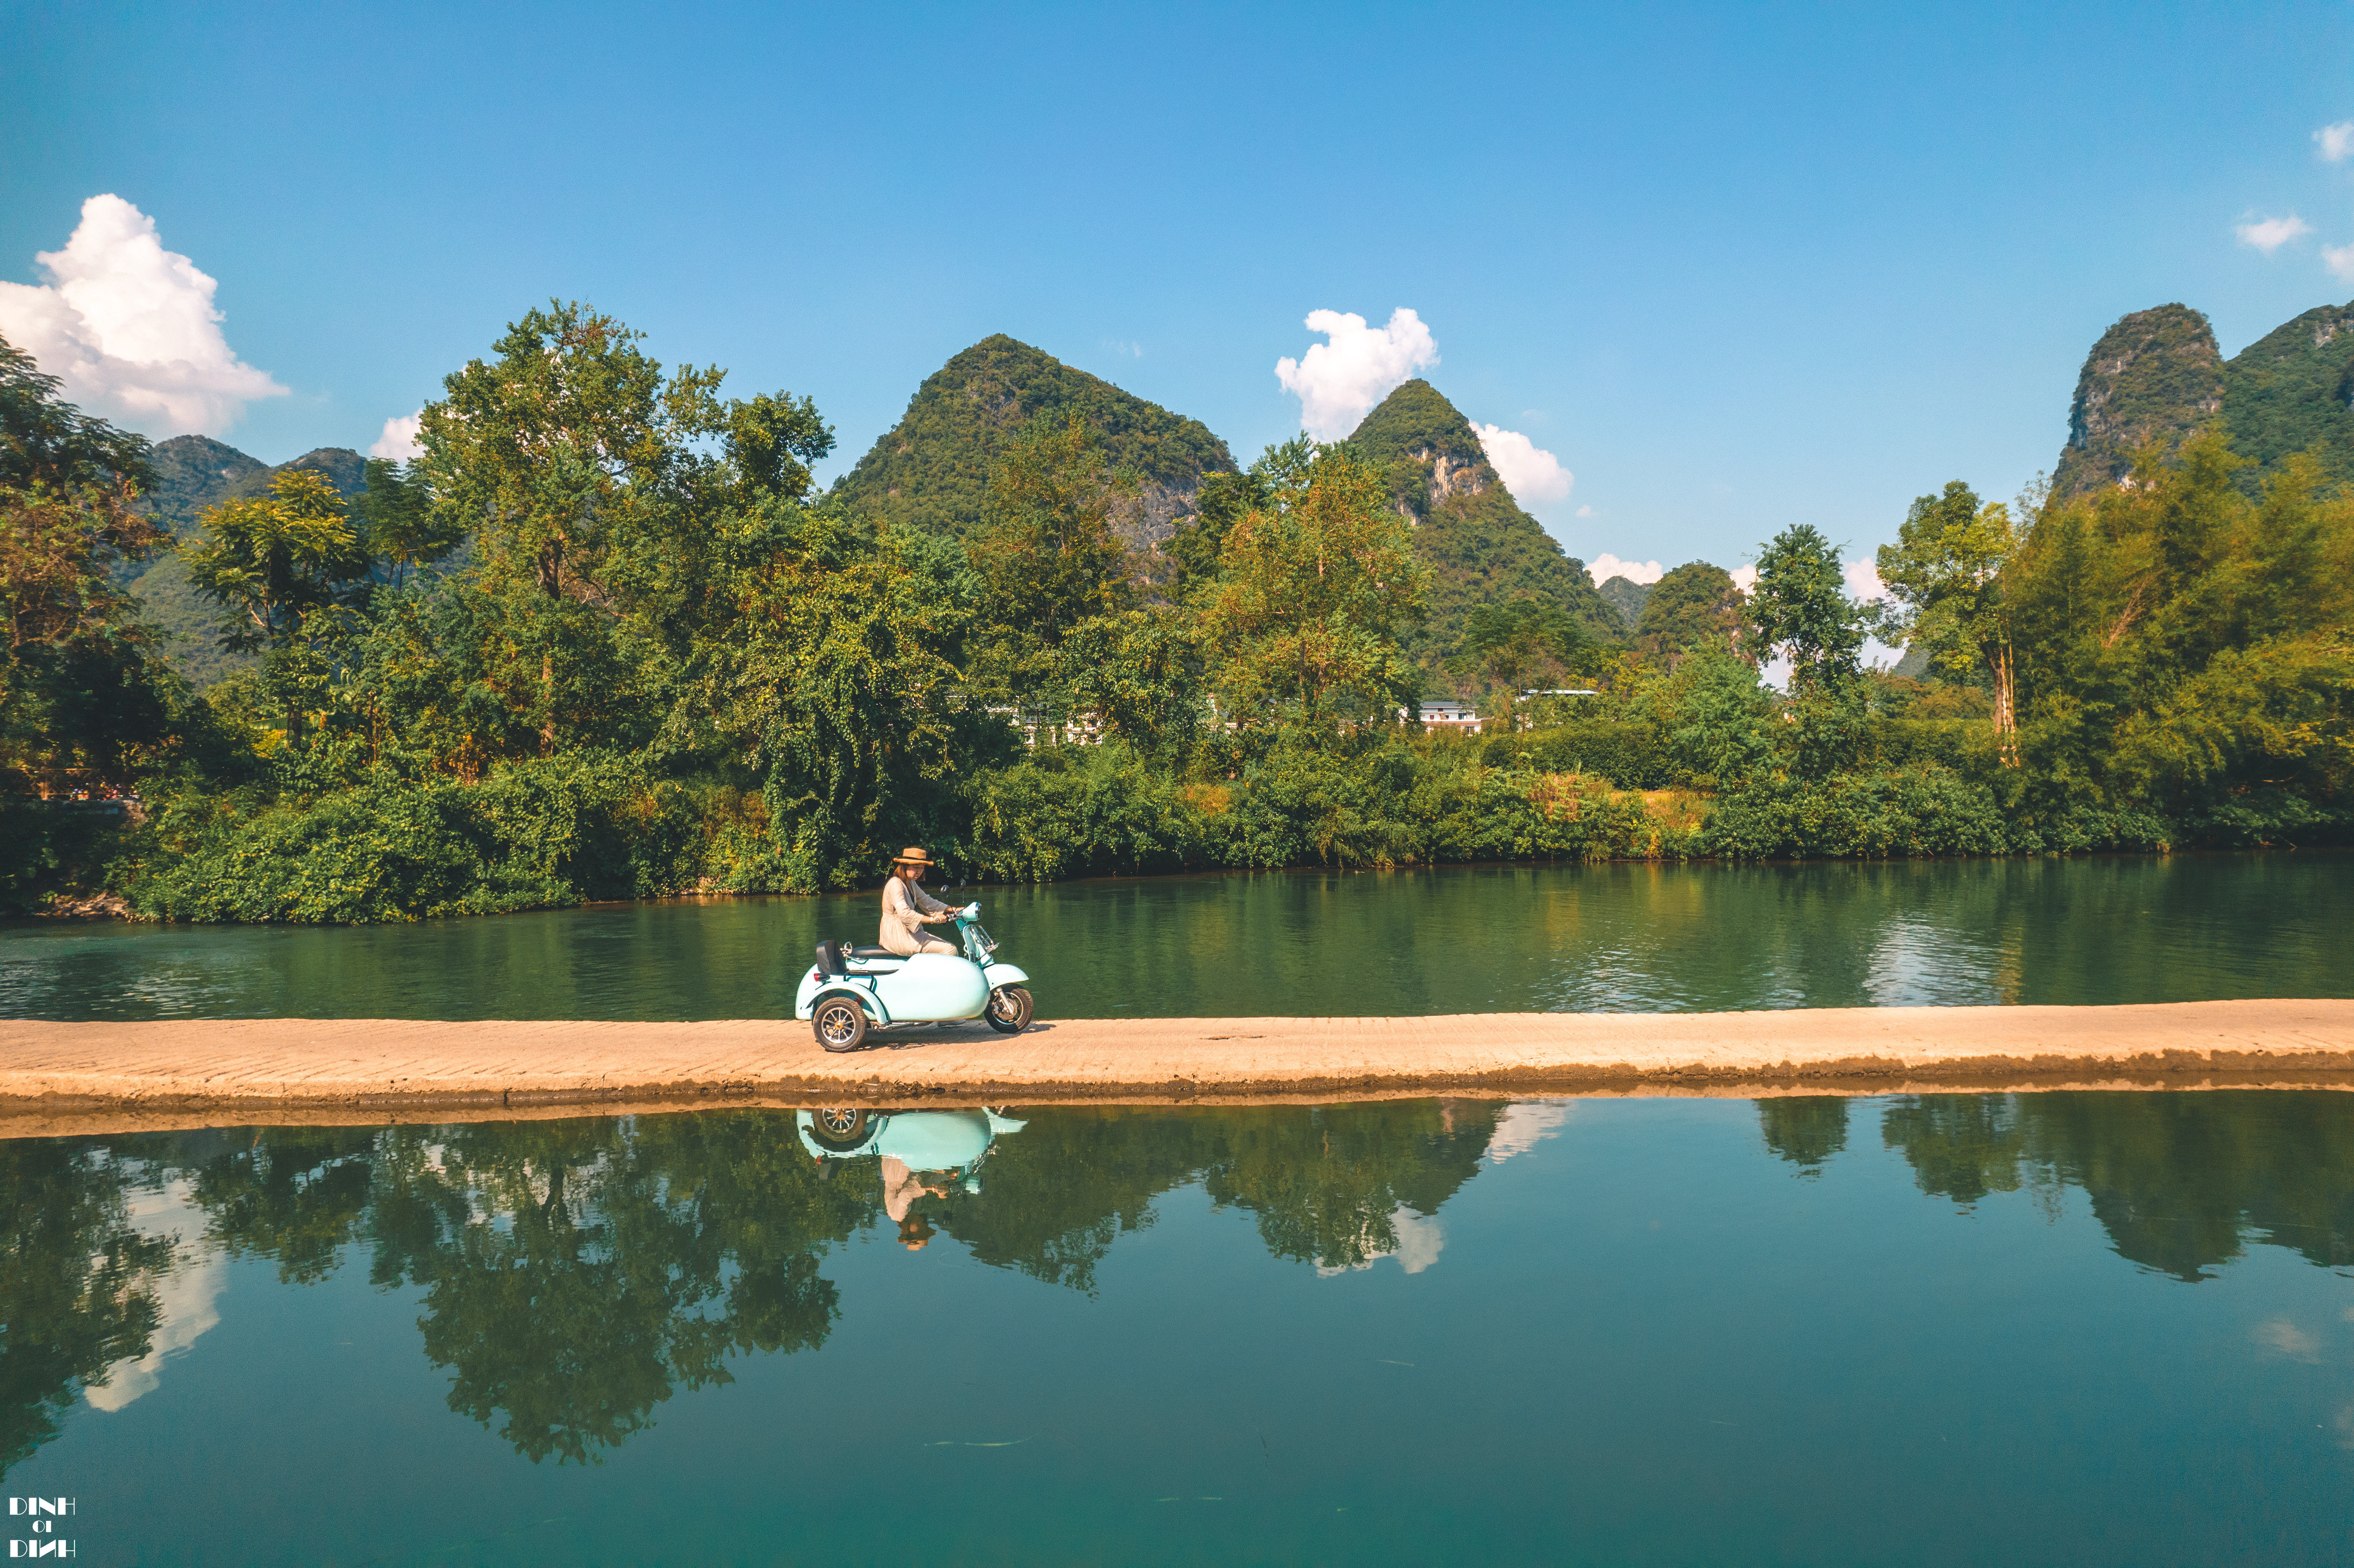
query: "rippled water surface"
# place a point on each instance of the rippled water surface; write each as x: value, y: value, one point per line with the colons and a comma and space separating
x: 1600, y: 937
x: 2076, y: 1328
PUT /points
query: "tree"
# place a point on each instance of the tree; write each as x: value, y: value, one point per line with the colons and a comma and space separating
x: 287, y: 563
x: 401, y: 530
x: 1694, y: 604
x: 1049, y: 554
x: 1802, y: 610
x: 1946, y: 572
x: 1312, y: 591
x: 1509, y: 642
x: 82, y: 690
x: 2183, y: 647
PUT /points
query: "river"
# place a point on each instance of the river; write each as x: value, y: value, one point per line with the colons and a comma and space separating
x: 1620, y: 937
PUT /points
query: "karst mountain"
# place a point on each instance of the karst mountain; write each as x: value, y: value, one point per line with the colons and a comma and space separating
x: 2157, y: 376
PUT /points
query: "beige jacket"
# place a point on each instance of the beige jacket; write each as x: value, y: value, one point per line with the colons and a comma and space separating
x: 905, y: 904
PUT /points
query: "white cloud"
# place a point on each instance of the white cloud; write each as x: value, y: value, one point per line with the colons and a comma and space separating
x: 1124, y: 347
x: 1863, y: 579
x: 399, y: 442
x: 2334, y: 140
x: 1522, y: 1127
x: 1586, y: 512
x: 2271, y: 233
x: 1745, y: 578
x: 1340, y: 380
x: 1604, y: 567
x: 1529, y: 471
x: 185, y: 1296
x: 2339, y: 258
x: 130, y: 328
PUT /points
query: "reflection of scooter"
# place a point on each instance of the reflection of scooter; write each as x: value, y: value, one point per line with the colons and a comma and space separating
x: 951, y: 1140
x: 853, y: 988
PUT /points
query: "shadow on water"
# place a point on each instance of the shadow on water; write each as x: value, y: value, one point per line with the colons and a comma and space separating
x: 573, y: 1276
x: 1609, y: 937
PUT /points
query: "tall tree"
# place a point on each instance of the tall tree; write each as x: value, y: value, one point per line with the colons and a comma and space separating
x: 1946, y: 575
x: 1802, y: 611
x: 1312, y: 592
x: 1695, y: 603
x: 1049, y: 554
x: 288, y: 563
x: 81, y: 692
x: 1801, y: 607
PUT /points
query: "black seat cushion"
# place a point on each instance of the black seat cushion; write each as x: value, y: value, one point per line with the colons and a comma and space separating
x: 874, y: 953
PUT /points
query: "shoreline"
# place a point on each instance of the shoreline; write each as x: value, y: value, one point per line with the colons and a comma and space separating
x: 200, y: 1072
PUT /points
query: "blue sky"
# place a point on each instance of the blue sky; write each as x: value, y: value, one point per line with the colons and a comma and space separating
x: 1734, y: 268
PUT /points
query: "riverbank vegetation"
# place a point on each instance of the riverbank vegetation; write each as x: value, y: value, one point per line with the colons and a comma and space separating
x: 606, y: 639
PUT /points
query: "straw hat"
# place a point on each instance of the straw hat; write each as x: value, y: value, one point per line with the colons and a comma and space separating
x: 913, y: 856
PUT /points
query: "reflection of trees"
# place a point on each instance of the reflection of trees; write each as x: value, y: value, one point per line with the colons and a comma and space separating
x: 1961, y: 1147
x: 1057, y: 1194
x: 577, y: 1272
x: 77, y: 1284
x: 2180, y: 1181
x: 294, y: 1193
x: 1327, y: 1182
x: 1805, y: 1129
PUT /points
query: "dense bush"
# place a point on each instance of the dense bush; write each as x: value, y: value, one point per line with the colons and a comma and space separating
x: 531, y: 835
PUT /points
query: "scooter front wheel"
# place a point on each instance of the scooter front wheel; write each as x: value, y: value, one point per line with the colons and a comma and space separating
x: 1010, y: 1010
x: 839, y: 1024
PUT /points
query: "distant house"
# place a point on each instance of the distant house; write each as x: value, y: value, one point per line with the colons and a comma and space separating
x: 1449, y: 714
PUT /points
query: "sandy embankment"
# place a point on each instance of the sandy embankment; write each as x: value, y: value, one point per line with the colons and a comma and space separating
x: 54, y: 1077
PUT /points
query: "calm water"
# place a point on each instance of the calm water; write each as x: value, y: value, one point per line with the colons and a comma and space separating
x: 2073, y: 1328
x: 1577, y: 938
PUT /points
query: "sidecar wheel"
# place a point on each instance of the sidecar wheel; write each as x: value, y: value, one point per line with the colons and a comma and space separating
x: 839, y: 1024
x: 1010, y: 1010
x: 841, y: 1129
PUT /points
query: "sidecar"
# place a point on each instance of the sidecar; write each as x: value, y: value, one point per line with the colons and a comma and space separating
x: 849, y: 989
x: 954, y: 1140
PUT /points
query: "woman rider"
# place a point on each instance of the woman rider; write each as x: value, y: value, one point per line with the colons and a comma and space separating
x: 908, y: 908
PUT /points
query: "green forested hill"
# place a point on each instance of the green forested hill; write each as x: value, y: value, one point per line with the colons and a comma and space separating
x: 192, y: 473
x: 1481, y: 547
x: 931, y: 470
x: 1627, y: 597
x: 2157, y: 375
x: 2287, y: 392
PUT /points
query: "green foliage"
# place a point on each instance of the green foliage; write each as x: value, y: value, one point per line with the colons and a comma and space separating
x: 1302, y: 622
x: 1625, y: 596
x: 603, y: 643
x: 1048, y: 555
x: 933, y: 470
x: 2181, y: 645
x: 1526, y: 640
x: 1694, y: 605
x: 532, y: 835
x: 85, y: 705
x: 2291, y: 392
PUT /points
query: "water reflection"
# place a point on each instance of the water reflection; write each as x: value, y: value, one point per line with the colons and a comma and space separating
x: 572, y: 1276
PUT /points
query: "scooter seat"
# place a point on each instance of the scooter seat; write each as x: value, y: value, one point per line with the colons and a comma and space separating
x: 871, y: 954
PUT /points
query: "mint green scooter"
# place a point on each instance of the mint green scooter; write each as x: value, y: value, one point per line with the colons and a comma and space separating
x: 852, y: 991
